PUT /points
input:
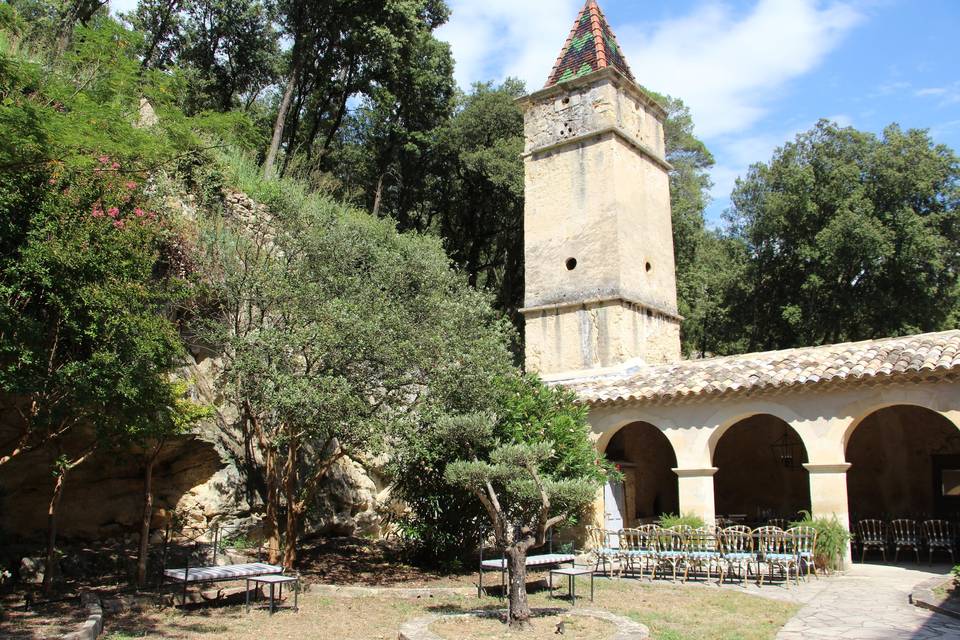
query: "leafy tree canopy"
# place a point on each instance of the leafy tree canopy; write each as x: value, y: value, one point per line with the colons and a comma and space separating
x: 847, y: 236
x: 518, y: 410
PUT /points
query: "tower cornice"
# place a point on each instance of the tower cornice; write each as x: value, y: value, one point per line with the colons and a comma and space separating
x: 611, y: 73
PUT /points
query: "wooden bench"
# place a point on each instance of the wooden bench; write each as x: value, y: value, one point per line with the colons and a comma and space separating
x: 195, y: 575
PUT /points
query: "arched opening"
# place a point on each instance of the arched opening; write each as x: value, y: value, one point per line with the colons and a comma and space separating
x: 760, y: 474
x: 647, y: 460
x: 905, y: 463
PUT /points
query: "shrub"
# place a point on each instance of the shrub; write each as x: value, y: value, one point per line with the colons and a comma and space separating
x: 833, y: 539
x: 670, y: 520
x: 445, y: 522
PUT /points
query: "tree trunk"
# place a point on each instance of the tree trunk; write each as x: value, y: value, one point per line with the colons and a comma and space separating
x: 292, y: 81
x: 519, y: 615
x: 378, y: 196
x: 272, y: 518
x: 52, y: 511
x: 145, y: 522
x: 294, y: 508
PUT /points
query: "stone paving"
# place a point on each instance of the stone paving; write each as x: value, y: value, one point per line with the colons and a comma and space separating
x: 870, y: 602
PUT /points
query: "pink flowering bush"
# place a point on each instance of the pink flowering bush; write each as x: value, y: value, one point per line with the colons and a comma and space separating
x: 109, y: 201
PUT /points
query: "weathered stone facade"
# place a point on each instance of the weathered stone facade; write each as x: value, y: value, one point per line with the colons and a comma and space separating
x: 600, y: 277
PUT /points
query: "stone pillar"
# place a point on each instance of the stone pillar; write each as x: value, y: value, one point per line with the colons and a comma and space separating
x: 828, y: 493
x: 696, y: 493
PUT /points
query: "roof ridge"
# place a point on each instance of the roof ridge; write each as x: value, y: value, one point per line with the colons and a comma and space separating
x: 834, y: 345
x: 924, y: 354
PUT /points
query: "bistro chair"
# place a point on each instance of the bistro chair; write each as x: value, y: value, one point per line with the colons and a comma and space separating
x: 777, y: 550
x: 602, y: 548
x: 736, y: 545
x: 805, y: 546
x: 940, y: 537
x: 873, y: 536
x: 703, y: 553
x: 638, y: 547
x: 670, y: 551
x: 905, y: 535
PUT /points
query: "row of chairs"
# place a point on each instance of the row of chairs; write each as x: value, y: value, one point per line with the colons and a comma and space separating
x: 905, y: 535
x: 732, y: 550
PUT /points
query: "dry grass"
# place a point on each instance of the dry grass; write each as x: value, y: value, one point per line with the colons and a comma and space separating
x: 541, y: 628
x: 693, y: 612
x: 46, y: 621
x: 672, y: 613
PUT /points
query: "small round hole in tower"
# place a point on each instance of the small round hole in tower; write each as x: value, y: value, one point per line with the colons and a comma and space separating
x: 566, y: 100
x: 649, y: 267
x: 571, y: 264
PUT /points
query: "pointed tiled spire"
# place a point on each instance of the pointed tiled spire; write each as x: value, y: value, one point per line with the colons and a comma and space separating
x: 590, y: 47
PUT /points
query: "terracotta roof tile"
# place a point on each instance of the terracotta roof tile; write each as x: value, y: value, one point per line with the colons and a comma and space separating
x: 866, y: 361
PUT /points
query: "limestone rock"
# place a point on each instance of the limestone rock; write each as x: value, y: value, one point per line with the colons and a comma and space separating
x: 32, y: 570
x: 148, y: 117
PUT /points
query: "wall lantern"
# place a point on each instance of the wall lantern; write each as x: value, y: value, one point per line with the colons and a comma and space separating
x: 788, y: 450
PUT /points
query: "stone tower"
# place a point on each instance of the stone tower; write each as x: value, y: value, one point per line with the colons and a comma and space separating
x: 600, y: 277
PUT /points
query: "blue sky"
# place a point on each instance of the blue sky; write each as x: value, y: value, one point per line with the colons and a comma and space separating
x: 754, y: 72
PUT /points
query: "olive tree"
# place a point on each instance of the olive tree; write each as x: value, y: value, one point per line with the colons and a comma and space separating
x: 522, y: 500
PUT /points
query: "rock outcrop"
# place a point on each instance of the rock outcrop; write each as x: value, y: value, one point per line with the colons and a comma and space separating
x: 200, y: 477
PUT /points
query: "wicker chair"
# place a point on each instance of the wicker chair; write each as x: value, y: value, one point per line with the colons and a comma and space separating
x: 703, y: 553
x: 637, y: 548
x: 905, y: 535
x: 805, y: 546
x: 777, y: 550
x: 940, y: 536
x: 872, y: 535
x: 736, y: 544
x: 602, y: 548
x: 670, y: 551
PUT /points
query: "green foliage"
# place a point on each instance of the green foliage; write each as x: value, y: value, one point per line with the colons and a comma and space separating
x: 86, y: 279
x: 840, y: 227
x: 357, y: 330
x: 446, y: 521
x: 517, y: 474
x: 345, y: 50
x: 956, y: 575
x: 833, y: 539
x: 225, y: 51
x: 668, y: 521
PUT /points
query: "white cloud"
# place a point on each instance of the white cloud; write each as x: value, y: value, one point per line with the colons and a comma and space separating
x: 493, y: 39
x: 947, y: 95
x: 729, y: 68
x: 728, y: 64
x: 739, y: 152
x: 122, y: 6
x: 842, y: 120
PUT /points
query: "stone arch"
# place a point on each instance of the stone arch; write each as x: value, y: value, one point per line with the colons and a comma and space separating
x: 727, y: 419
x: 647, y: 459
x: 897, y: 398
x: 756, y: 480
x: 898, y: 453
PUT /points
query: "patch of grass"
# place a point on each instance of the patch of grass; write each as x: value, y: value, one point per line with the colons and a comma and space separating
x: 688, y: 612
x: 694, y: 613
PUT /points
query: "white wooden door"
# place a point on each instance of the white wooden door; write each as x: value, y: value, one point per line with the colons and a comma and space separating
x: 613, y: 507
